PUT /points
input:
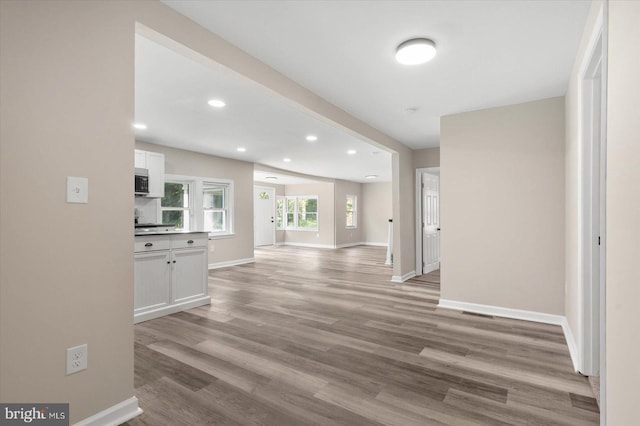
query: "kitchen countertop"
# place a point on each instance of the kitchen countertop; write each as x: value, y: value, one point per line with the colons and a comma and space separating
x: 144, y: 234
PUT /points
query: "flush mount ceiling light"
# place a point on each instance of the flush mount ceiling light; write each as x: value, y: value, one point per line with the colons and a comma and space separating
x: 217, y: 103
x: 351, y: 152
x: 371, y: 176
x: 241, y: 149
x: 286, y: 160
x: 140, y: 126
x: 311, y: 138
x: 415, y: 51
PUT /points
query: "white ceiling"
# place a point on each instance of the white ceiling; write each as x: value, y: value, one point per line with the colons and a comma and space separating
x: 490, y: 53
x: 172, y: 91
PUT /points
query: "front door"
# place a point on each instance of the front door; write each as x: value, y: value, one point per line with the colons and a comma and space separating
x: 264, y: 211
x: 430, y: 223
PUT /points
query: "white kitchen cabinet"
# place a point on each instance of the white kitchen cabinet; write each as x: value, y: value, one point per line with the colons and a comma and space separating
x: 152, y: 282
x: 154, y: 163
x: 170, y: 274
x: 189, y: 274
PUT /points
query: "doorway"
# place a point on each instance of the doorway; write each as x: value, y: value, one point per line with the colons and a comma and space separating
x: 264, y: 215
x: 427, y: 220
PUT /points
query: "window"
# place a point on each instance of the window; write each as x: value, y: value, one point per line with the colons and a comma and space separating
x: 297, y: 213
x: 352, y: 211
x: 176, y: 205
x: 198, y: 204
x: 280, y: 212
x: 215, y: 207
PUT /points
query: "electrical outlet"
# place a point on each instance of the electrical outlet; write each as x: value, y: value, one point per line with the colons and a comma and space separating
x: 77, y: 358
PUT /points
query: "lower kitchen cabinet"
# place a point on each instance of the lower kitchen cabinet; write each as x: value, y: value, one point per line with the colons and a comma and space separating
x: 170, y: 274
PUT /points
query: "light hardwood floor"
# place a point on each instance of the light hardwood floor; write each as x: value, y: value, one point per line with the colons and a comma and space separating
x: 316, y: 336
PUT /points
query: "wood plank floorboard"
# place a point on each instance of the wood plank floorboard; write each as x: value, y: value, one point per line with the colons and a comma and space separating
x: 322, y: 337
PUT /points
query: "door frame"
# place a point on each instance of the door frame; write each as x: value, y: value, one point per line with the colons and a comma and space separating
x: 418, y: 182
x: 592, y: 203
x: 273, y: 210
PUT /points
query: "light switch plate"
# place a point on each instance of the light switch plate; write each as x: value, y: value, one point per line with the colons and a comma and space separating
x: 77, y: 190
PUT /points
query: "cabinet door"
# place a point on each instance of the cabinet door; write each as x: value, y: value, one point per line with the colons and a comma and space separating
x: 189, y: 274
x: 140, y: 159
x: 155, y: 164
x: 152, y: 281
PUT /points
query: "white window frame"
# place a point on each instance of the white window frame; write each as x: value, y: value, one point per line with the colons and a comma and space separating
x: 196, y: 189
x: 354, y: 211
x: 285, y: 211
x: 190, y: 206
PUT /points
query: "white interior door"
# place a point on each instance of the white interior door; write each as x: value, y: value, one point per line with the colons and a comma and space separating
x: 430, y: 223
x: 264, y: 216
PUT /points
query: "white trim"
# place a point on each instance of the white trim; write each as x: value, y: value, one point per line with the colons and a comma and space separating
x: 114, y: 415
x: 348, y: 245
x: 308, y: 245
x: 585, y: 191
x: 231, y: 263
x: 499, y: 311
x: 403, y: 278
x: 519, y: 314
x: 571, y: 343
x: 171, y: 309
x: 371, y: 243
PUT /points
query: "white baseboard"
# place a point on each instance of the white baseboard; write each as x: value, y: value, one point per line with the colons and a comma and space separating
x: 231, y: 263
x: 309, y: 245
x: 114, y: 415
x: 348, y: 245
x: 499, y: 311
x: 519, y: 314
x: 403, y: 278
x: 571, y: 343
x: 171, y: 309
x: 369, y: 243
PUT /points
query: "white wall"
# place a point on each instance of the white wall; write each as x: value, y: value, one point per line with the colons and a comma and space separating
x: 377, y: 209
x: 502, y: 208
x: 623, y: 215
x: 188, y: 163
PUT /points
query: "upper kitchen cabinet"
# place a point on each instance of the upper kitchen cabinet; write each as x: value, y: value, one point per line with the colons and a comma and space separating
x: 154, y: 163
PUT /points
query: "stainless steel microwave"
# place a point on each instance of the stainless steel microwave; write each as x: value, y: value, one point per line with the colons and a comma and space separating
x: 142, y: 182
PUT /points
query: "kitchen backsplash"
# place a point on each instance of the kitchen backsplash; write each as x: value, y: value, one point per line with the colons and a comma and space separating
x: 147, y: 209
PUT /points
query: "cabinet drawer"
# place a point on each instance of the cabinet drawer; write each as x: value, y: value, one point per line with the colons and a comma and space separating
x: 151, y: 243
x: 189, y: 240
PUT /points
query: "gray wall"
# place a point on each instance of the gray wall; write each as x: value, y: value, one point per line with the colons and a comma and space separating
x: 188, y: 163
x: 502, y: 212
x: 377, y: 210
x: 346, y: 236
x: 66, y: 270
x: 623, y: 215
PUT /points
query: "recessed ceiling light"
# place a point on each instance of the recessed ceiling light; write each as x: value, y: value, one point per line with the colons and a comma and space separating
x: 271, y: 178
x: 217, y: 103
x: 286, y: 160
x: 311, y: 138
x: 371, y: 176
x: 140, y: 126
x: 241, y: 149
x: 351, y: 152
x: 415, y: 51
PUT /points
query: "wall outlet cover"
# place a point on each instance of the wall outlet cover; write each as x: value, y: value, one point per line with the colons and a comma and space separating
x: 77, y: 358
